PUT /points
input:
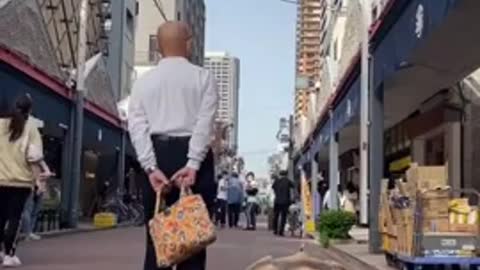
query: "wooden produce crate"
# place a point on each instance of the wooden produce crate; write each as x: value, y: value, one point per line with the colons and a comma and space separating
x: 405, y: 241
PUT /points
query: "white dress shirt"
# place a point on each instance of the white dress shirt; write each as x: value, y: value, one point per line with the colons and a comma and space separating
x: 222, y: 192
x: 176, y: 98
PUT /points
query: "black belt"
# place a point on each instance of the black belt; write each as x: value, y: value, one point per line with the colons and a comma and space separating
x: 166, y: 138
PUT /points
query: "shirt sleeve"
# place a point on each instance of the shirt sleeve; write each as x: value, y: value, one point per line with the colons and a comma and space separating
x: 139, y: 130
x: 203, y: 130
x: 34, y: 145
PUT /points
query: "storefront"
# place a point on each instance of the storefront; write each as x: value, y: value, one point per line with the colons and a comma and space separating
x: 53, y: 111
x: 101, y: 146
x: 397, y: 147
x: 430, y: 137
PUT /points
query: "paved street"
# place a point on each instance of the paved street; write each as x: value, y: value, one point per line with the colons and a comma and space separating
x: 122, y: 250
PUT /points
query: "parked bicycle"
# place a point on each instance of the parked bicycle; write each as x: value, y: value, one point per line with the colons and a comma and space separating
x: 126, y: 208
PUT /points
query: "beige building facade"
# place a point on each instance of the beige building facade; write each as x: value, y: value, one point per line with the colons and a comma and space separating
x: 154, y: 13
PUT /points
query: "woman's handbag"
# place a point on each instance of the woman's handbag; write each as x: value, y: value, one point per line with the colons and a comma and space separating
x: 182, y: 230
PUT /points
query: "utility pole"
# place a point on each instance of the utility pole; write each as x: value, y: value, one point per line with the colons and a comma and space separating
x: 364, y: 110
x: 79, y: 100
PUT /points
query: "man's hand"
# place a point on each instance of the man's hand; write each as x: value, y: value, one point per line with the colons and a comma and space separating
x: 185, y: 177
x: 159, y: 181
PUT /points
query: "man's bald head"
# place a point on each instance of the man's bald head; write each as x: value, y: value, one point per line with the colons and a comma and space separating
x: 174, y: 39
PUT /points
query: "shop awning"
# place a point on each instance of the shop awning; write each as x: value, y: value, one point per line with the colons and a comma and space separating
x: 400, y: 36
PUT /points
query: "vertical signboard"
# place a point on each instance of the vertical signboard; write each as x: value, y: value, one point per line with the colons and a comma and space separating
x: 309, y: 219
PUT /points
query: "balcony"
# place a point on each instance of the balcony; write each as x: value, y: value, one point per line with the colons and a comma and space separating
x: 307, y: 49
x: 310, y: 42
x: 312, y: 4
x: 311, y: 27
x: 312, y: 19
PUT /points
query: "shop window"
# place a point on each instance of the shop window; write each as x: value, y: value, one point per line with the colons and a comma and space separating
x: 152, y: 48
x: 435, y: 151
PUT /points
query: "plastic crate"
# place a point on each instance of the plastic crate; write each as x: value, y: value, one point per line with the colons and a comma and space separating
x: 105, y: 220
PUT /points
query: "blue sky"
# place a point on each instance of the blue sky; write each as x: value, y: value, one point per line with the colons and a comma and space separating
x: 261, y: 33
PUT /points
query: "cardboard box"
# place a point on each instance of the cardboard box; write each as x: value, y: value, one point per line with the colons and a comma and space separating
x: 435, y: 203
x: 464, y: 228
x: 427, y: 177
x: 438, y: 224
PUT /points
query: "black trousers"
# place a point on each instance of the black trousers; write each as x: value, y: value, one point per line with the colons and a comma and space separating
x: 233, y: 214
x: 251, y: 213
x: 221, y: 212
x: 171, y: 154
x: 280, y: 212
x: 12, y: 202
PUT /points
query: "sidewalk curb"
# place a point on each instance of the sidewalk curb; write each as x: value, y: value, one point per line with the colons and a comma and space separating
x: 59, y: 233
x: 339, y: 251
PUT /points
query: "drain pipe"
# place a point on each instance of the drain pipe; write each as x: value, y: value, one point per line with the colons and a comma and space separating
x: 364, y: 112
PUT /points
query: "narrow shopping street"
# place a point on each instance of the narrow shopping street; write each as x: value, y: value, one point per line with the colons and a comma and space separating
x: 122, y: 250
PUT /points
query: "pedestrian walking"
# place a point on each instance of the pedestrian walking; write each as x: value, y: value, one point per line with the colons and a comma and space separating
x: 222, y: 204
x: 327, y: 203
x: 21, y: 162
x: 171, y: 114
x: 281, y: 187
x: 31, y: 211
x: 235, y: 199
x: 252, y: 202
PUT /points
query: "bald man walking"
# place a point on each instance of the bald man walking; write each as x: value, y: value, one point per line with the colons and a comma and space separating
x: 171, y: 115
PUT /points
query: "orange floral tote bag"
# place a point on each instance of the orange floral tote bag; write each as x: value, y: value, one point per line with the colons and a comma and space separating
x: 181, y: 230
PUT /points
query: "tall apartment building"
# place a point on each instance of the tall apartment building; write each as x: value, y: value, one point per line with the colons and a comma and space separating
x: 311, y: 35
x: 152, y: 13
x: 120, y: 28
x: 226, y: 69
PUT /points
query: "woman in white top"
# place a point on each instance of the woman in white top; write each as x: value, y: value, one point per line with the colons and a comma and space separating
x: 252, y: 202
x: 222, y: 196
